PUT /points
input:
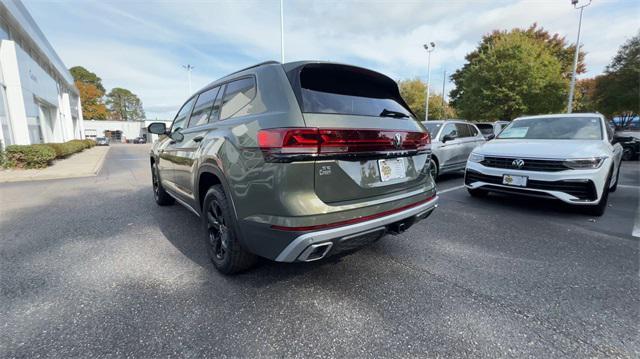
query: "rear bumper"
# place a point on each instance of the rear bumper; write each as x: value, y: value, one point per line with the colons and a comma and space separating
x: 328, y: 240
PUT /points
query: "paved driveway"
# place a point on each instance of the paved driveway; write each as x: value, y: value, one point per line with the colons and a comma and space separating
x: 92, y: 267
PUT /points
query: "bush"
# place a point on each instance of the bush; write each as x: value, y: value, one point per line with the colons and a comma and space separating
x: 68, y: 148
x: 29, y: 156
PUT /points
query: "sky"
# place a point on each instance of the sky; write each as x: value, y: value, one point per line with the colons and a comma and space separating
x: 143, y: 45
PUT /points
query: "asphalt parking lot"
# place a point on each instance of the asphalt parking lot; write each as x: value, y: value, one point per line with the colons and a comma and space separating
x: 92, y: 267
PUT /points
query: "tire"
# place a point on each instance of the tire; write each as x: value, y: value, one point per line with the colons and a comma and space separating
x: 221, y: 235
x: 433, y: 169
x: 615, y: 185
x: 477, y: 192
x: 159, y: 194
x: 599, y: 209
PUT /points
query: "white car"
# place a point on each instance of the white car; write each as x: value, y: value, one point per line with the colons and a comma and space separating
x: 569, y: 157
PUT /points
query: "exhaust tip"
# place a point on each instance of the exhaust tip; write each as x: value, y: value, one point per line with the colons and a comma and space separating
x: 315, y: 252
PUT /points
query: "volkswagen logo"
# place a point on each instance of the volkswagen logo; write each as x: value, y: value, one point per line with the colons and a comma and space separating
x: 518, y: 163
x: 397, y: 140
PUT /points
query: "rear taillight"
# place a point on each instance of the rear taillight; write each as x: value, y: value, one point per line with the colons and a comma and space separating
x: 285, y: 142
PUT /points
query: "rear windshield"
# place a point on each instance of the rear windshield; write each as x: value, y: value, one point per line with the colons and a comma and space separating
x: 339, y: 89
x: 554, y: 128
x: 485, y: 128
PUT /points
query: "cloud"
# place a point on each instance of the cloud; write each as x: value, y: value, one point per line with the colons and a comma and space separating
x: 142, y: 45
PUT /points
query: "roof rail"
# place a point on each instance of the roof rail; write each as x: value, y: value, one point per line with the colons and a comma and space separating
x: 253, y: 66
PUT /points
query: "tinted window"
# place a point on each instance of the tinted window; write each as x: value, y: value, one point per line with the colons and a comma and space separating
x: 217, y: 105
x: 450, y: 130
x: 555, y: 128
x: 181, y: 117
x: 485, y: 128
x: 472, y: 130
x: 463, y: 130
x: 202, y: 110
x: 351, y: 91
x: 237, y: 96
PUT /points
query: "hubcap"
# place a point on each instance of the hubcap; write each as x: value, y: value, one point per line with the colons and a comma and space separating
x: 218, y: 231
x: 433, y: 169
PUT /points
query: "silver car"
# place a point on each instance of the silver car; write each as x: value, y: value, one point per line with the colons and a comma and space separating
x: 451, y: 142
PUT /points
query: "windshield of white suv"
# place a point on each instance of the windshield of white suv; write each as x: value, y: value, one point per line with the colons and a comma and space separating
x: 485, y: 128
x: 554, y: 128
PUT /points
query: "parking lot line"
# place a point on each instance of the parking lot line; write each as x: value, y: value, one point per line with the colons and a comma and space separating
x: 451, y: 189
x: 628, y: 186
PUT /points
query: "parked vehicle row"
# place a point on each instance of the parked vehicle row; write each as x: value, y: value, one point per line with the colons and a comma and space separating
x: 304, y: 160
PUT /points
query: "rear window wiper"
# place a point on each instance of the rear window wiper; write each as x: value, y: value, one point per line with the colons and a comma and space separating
x: 394, y: 114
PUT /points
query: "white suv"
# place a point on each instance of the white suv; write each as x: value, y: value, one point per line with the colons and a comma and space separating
x: 570, y: 157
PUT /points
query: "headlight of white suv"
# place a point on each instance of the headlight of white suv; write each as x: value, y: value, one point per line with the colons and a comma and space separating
x: 585, y: 163
x: 476, y: 157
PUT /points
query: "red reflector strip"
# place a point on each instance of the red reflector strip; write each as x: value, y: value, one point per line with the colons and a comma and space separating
x: 353, y: 220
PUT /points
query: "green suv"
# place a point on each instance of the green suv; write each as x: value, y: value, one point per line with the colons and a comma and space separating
x: 295, y: 162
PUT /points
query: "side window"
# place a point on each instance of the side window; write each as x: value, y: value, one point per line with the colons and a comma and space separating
x: 181, y: 117
x: 237, y: 96
x: 463, y: 130
x: 217, y: 105
x: 202, y: 109
x: 450, y: 130
x: 473, y: 132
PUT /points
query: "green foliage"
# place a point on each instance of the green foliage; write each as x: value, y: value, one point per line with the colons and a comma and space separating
x: 29, y: 156
x: 414, y: 92
x: 510, y: 74
x: 83, y: 75
x: 124, y: 105
x: 41, y: 155
x: 618, y: 90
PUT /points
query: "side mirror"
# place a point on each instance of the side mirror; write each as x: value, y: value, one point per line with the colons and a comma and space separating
x: 447, y: 138
x: 158, y: 128
x: 491, y: 137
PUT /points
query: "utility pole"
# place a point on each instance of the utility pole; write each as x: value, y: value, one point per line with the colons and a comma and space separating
x: 429, y: 47
x: 282, y: 31
x: 189, y: 68
x: 575, y: 57
x: 444, y: 78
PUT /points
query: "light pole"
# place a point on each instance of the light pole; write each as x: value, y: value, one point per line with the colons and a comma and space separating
x: 189, y: 68
x: 429, y: 47
x: 575, y: 57
x: 282, y: 31
x: 444, y: 78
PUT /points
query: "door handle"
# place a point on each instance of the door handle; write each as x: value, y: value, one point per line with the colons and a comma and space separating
x: 198, y: 138
x: 172, y: 142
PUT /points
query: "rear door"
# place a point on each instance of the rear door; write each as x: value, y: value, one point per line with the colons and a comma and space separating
x: 368, y: 134
x: 475, y: 139
x: 449, y: 151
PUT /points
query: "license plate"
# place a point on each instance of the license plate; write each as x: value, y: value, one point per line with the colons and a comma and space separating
x: 520, y: 181
x: 391, y: 169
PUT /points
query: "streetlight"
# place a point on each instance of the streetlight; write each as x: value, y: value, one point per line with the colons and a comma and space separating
x: 429, y: 47
x: 575, y: 57
x: 189, y: 68
x: 282, y: 31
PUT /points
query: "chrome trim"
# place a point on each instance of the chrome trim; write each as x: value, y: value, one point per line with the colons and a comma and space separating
x: 303, y: 257
x: 298, y: 245
x: 184, y: 204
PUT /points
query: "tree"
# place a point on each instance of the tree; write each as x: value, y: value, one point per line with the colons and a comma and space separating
x: 414, y: 91
x: 81, y: 74
x: 618, y: 89
x: 585, y: 96
x: 124, y: 105
x: 510, y: 74
x: 91, y: 93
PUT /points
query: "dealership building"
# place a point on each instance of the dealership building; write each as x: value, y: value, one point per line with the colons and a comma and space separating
x: 38, y: 99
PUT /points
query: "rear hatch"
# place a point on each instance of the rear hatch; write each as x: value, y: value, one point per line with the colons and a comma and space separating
x: 370, y: 143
